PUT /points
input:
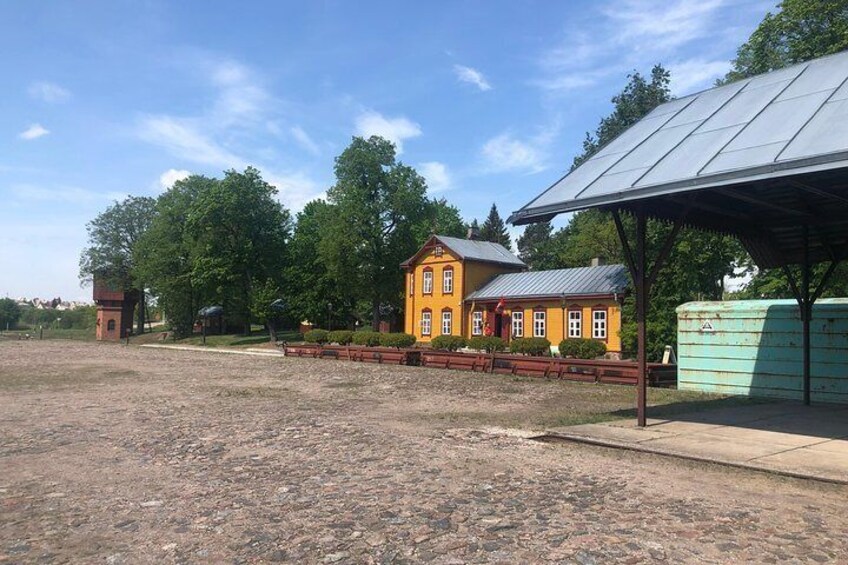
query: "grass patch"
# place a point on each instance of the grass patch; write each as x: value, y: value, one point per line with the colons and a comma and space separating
x: 82, y: 335
x: 238, y: 340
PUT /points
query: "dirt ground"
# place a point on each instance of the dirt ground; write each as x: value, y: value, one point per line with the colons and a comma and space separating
x: 113, y: 454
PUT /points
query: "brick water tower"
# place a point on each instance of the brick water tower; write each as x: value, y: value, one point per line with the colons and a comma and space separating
x: 115, y: 308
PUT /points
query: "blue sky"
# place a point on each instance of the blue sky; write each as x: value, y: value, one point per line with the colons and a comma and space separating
x: 489, y: 100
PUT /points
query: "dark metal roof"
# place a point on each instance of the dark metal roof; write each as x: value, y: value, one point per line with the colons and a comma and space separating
x: 582, y: 281
x: 474, y: 250
x: 751, y: 143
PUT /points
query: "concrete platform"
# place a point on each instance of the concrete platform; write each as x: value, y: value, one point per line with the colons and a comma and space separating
x: 783, y: 437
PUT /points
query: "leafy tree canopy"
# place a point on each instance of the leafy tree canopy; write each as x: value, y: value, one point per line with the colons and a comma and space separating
x: 380, y: 205
x: 10, y: 313
x: 800, y: 30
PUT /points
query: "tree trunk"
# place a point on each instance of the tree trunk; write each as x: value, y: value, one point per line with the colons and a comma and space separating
x: 140, y: 320
x: 272, y: 331
x: 247, y: 327
x: 375, y: 315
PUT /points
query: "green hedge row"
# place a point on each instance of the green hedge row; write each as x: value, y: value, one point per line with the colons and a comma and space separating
x: 582, y: 348
x: 489, y: 344
x: 538, y: 346
x: 316, y: 336
x: 448, y: 342
x: 368, y: 339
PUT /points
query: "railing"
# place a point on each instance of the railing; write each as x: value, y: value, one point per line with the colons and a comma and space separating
x: 593, y: 371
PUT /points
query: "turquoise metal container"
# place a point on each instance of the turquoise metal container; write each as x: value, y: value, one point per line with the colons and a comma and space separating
x: 753, y: 348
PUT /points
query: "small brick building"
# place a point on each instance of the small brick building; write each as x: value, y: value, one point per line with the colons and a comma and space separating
x: 115, y: 309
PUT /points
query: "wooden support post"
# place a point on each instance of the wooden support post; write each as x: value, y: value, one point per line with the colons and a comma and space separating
x: 641, y: 317
x: 806, y: 313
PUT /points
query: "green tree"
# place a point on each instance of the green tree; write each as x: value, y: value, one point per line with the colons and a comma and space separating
x: 494, y: 229
x: 166, y: 254
x: 441, y: 218
x: 312, y: 290
x: 378, y: 203
x: 239, y: 232
x: 772, y: 283
x: 112, y: 239
x: 535, y: 246
x: 10, y: 313
x: 801, y: 30
x: 638, y: 98
x: 264, y: 305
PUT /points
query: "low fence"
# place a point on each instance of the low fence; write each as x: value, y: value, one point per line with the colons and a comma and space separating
x: 592, y: 371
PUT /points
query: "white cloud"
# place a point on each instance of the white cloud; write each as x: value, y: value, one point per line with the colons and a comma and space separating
x: 472, y: 76
x: 665, y: 25
x: 48, y: 92
x: 295, y: 189
x: 437, y: 175
x: 169, y: 177
x: 183, y: 138
x: 695, y: 74
x: 34, y: 132
x: 506, y: 153
x: 395, y: 130
x: 242, y: 110
x: 304, y: 140
x: 627, y: 35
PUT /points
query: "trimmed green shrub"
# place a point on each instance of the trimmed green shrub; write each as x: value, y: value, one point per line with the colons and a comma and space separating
x: 342, y: 337
x: 366, y: 338
x: 489, y: 344
x: 316, y: 336
x: 397, y: 340
x: 582, y: 348
x: 538, y: 346
x: 448, y: 342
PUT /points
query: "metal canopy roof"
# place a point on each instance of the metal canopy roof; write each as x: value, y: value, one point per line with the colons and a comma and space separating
x: 582, y: 281
x: 475, y: 250
x: 758, y: 158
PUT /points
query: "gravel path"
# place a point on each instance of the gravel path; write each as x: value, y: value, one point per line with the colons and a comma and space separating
x: 112, y: 454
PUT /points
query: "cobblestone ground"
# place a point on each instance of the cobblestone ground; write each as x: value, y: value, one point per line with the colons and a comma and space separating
x: 118, y: 455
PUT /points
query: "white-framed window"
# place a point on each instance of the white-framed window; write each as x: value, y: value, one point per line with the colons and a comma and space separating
x: 411, y: 284
x: 428, y: 282
x: 575, y: 323
x: 426, y: 323
x: 477, y: 323
x: 518, y: 324
x: 447, y: 322
x: 447, y: 280
x: 599, y: 324
x: 539, y: 318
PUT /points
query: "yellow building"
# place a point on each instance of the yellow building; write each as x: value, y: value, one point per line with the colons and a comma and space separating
x: 467, y: 287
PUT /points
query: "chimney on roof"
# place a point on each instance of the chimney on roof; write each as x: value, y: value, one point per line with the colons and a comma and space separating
x: 473, y: 233
x: 598, y: 261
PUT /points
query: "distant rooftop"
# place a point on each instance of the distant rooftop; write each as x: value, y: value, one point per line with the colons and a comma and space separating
x: 475, y: 250
x: 581, y: 281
